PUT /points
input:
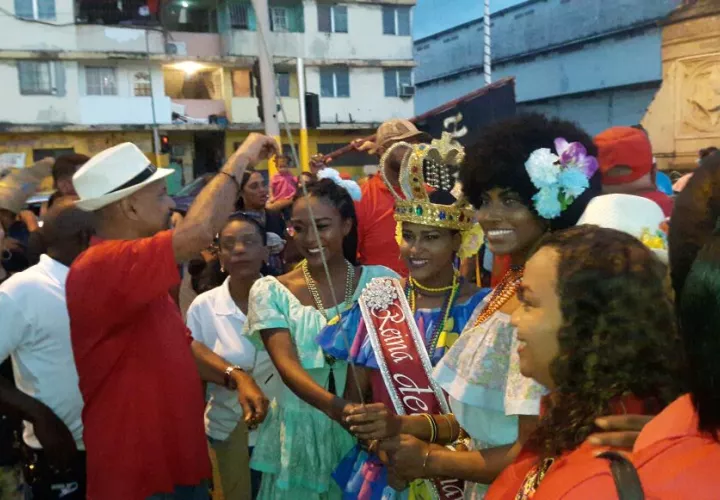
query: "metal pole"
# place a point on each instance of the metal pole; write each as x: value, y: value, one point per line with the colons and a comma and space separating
x: 267, y: 75
x: 304, y: 149
x: 487, y: 63
x: 156, y: 133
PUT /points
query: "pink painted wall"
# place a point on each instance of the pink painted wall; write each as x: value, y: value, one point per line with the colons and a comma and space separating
x: 198, y: 44
x: 201, y: 108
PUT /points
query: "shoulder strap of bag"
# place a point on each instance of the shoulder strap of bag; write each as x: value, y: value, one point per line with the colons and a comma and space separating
x: 625, y: 476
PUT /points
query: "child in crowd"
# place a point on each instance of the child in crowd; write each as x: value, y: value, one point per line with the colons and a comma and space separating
x: 284, y: 184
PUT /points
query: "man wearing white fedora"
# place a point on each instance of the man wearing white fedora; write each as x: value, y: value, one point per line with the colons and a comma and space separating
x: 143, y: 415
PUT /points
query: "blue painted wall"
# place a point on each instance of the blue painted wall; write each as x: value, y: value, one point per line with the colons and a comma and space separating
x: 597, y: 62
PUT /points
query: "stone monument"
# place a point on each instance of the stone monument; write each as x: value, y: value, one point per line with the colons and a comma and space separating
x: 684, y: 117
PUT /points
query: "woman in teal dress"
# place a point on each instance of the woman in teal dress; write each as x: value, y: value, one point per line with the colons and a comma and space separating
x: 433, y: 230
x: 302, y: 441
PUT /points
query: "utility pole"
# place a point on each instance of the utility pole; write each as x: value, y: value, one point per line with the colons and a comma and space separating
x: 487, y: 62
x: 267, y: 75
x: 304, y: 150
x: 156, y: 133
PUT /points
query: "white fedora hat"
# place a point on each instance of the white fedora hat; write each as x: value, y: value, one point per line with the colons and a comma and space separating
x: 114, y: 174
x: 634, y: 215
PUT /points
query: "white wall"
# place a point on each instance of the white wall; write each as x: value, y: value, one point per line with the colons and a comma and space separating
x: 364, y: 40
x: 125, y: 107
x: 40, y: 109
x: 244, y: 110
x: 367, y: 102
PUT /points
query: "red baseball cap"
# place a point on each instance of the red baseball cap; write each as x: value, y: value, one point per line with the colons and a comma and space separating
x: 623, y: 146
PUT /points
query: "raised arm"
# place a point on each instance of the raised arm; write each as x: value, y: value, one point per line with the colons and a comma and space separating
x: 283, y: 354
x: 216, y: 202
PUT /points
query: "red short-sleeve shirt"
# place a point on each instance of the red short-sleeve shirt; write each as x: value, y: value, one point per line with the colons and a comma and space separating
x: 143, y: 414
x: 673, y: 458
x: 376, y: 227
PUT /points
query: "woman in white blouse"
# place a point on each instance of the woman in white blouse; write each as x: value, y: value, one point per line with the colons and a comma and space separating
x: 216, y: 319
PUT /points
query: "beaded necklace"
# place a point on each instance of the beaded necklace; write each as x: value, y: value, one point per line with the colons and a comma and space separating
x: 452, y: 294
x: 503, y: 293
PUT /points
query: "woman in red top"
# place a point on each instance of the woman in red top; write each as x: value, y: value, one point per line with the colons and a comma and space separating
x: 599, y: 332
x: 677, y: 454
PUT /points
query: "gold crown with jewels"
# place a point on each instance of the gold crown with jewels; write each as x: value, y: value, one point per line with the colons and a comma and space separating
x: 434, y: 166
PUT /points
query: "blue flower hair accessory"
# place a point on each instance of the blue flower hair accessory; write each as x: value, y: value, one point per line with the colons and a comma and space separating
x: 560, y: 178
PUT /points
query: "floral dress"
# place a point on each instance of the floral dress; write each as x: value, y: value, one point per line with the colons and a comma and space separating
x: 487, y: 392
x: 298, y: 446
x: 361, y: 475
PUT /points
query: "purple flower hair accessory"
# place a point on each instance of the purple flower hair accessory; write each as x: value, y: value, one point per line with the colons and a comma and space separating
x: 560, y: 178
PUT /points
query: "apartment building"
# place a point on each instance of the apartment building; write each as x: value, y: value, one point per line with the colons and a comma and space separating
x: 86, y: 74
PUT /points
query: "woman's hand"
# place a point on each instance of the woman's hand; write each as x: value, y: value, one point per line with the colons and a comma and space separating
x: 407, y: 456
x: 252, y: 399
x: 373, y: 421
x: 619, y: 431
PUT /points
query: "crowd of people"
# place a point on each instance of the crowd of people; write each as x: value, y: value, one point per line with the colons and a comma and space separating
x: 344, y: 341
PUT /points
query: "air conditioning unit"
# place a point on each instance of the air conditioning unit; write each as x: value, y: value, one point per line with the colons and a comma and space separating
x: 407, y: 90
x: 176, y: 48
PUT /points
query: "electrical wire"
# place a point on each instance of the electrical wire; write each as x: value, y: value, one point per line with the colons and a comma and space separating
x: 316, y: 232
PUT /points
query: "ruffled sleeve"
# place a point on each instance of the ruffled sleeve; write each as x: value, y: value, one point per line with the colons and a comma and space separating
x: 522, y: 394
x: 352, y: 325
x: 268, y: 309
x: 340, y: 333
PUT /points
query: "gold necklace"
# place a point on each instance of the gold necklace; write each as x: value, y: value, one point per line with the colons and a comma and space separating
x: 416, y: 284
x: 503, y: 293
x: 312, y: 286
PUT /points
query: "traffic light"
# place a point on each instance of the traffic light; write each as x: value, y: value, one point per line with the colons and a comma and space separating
x: 164, y: 144
x: 258, y: 89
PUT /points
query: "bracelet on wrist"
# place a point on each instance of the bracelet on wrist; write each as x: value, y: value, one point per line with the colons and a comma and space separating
x: 229, y: 381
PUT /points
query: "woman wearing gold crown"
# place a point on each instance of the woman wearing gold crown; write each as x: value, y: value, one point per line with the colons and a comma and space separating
x: 405, y: 326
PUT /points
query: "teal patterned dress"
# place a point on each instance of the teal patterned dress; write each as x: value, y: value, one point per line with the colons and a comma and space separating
x: 298, y: 446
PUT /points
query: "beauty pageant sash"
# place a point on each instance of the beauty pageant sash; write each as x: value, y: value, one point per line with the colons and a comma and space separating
x: 404, y: 362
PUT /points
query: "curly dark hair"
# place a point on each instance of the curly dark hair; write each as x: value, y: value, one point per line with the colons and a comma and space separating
x: 697, y: 209
x: 618, y: 335
x: 694, y: 242
x: 498, y: 159
x: 338, y: 197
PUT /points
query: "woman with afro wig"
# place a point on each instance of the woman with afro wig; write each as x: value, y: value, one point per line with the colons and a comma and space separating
x: 527, y: 176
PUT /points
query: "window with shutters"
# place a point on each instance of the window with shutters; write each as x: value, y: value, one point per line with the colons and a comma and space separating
x: 36, y: 78
x: 332, y: 18
x: 396, y: 20
x: 395, y: 79
x: 100, y: 81
x: 239, y: 16
x: 279, y: 19
x: 142, y: 87
x: 334, y: 82
x: 35, y: 9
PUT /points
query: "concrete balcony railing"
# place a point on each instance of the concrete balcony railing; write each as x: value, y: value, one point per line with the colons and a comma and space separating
x: 114, y: 110
x: 198, y: 109
x: 244, y: 109
x: 93, y: 38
